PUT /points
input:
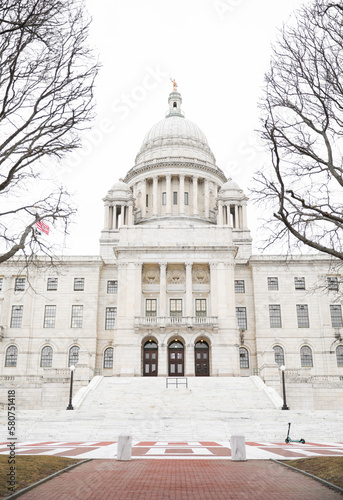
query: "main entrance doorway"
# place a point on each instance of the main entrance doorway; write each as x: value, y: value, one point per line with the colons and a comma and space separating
x: 202, y: 355
x: 176, y: 359
x: 150, y: 352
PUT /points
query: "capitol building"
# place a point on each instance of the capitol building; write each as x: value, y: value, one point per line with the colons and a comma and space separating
x: 175, y: 290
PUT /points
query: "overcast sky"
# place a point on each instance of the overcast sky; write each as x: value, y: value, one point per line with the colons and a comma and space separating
x: 217, y: 51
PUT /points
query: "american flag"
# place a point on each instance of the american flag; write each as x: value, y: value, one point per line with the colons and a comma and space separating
x: 41, y: 226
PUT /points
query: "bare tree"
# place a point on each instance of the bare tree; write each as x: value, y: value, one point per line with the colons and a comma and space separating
x: 47, y: 76
x: 302, y: 117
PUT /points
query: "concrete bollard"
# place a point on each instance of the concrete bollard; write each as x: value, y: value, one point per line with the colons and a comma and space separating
x: 124, y: 448
x: 238, y: 452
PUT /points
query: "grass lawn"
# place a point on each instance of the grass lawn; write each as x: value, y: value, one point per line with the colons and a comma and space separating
x: 30, y: 469
x: 328, y: 468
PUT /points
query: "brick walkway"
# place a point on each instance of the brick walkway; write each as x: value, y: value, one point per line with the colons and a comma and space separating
x: 181, y: 480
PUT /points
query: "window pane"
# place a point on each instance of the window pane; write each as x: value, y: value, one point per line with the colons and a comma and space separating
x: 243, y: 357
x: 299, y: 283
x: 273, y: 283
x: 112, y: 286
x: 108, y: 358
x: 11, y: 356
x: 79, y: 284
x: 74, y: 355
x: 333, y: 283
x: 49, y: 316
x: 76, y: 316
x: 1, y: 282
x: 275, y: 316
x: 239, y: 286
x: 241, y: 314
x: 279, y: 355
x: 302, y: 314
x: 339, y: 355
x: 46, y: 357
x: 151, y: 307
x: 306, y: 356
x: 164, y: 198
x: 175, y: 198
x: 336, y: 316
x: 17, y: 316
x: 200, y: 307
x: 52, y: 284
x: 19, y: 284
x: 186, y: 197
x: 176, y: 307
x: 111, y: 313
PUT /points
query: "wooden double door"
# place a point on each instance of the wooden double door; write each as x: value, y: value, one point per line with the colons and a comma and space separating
x: 202, y: 358
x: 150, y: 359
x: 176, y: 356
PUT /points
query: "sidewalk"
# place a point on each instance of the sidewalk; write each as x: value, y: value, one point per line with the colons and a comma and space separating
x: 181, y: 480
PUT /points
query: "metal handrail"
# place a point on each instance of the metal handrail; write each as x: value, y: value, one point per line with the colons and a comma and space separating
x: 175, y: 381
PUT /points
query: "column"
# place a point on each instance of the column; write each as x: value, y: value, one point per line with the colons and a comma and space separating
x: 155, y: 195
x: 236, y: 217
x: 163, y: 289
x: 130, y: 216
x: 143, y: 198
x: 207, y: 198
x: 182, y: 193
x: 213, y: 291
x: 189, y: 289
x: 220, y: 213
x: 168, y: 195
x: 195, y: 194
x: 245, y: 219
x: 137, y: 291
x: 107, y: 216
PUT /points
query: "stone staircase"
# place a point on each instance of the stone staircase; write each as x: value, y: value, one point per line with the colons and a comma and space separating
x: 209, y: 409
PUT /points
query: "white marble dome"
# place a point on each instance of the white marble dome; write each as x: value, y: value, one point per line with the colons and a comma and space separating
x: 175, y: 137
x: 119, y: 191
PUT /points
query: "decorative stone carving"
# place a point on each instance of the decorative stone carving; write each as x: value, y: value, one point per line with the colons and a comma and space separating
x: 201, y: 274
x: 176, y: 275
x: 151, y: 275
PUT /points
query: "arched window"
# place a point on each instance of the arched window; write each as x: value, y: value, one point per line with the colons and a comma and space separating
x: 46, y: 357
x: 74, y: 355
x: 11, y: 356
x: 243, y: 357
x: 174, y: 105
x: 108, y: 358
x: 339, y: 355
x: 306, y: 356
x: 279, y: 355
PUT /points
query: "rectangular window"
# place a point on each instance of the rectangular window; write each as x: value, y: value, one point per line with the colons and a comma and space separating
x: 333, y: 283
x: 164, y: 198
x: 112, y: 286
x: 176, y: 307
x: 186, y: 197
x: 52, y: 284
x: 19, y: 284
x: 239, y: 286
x: 150, y: 307
x: 49, y: 316
x: 275, y: 316
x: 146, y: 200
x: 76, y: 316
x: 299, y: 283
x: 175, y: 198
x: 273, y: 283
x: 241, y: 313
x: 336, y: 316
x: 17, y: 316
x: 302, y: 314
x: 79, y: 284
x: 111, y: 313
x: 1, y: 282
x: 200, y: 307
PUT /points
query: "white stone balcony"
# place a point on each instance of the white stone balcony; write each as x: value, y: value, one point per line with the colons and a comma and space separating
x: 176, y: 321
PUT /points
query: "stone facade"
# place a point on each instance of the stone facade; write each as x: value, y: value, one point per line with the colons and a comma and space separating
x: 175, y: 290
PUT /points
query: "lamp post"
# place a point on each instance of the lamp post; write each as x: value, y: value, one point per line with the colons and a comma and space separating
x: 284, y: 407
x: 70, y: 406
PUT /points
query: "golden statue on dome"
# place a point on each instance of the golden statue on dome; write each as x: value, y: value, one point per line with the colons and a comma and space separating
x: 174, y: 85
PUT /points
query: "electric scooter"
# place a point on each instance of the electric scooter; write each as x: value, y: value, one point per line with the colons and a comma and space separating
x: 289, y: 440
